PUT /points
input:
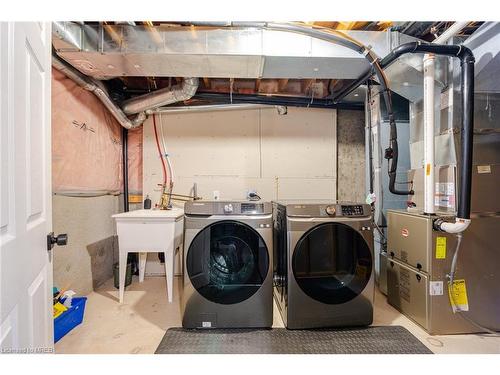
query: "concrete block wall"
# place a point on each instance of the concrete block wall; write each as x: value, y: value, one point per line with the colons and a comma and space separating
x: 351, y: 156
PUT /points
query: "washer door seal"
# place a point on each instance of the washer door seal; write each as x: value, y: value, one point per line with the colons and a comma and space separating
x: 227, y: 262
x: 332, y: 263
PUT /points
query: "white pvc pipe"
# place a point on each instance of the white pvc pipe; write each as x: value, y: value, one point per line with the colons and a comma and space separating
x: 428, y: 134
x: 429, y: 72
x: 450, y: 32
x: 457, y: 227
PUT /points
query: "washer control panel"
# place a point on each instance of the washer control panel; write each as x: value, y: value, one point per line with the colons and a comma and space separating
x: 227, y: 208
x: 352, y: 210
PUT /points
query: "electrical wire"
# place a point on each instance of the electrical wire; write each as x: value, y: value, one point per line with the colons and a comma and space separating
x: 451, y: 280
x: 381, y: 232
x: 159, y: 151
x: 253, y: 196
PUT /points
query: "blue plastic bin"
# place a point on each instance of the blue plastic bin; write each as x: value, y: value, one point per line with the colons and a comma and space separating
x: 70, y: 318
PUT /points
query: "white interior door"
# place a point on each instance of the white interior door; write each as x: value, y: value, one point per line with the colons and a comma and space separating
x: 26, y: 322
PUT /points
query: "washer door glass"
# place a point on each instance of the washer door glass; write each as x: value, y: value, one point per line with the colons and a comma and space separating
x: 332, y: 263
x: 227, y: 262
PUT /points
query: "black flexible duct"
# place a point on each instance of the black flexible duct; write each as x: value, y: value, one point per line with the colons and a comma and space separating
x: 467, y: 90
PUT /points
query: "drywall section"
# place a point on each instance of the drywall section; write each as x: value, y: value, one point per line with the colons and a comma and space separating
x: 351, y: 156
x: 281, y: 156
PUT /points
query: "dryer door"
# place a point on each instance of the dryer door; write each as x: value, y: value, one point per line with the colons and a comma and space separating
x: 227, y: 262
x: 332, y: 263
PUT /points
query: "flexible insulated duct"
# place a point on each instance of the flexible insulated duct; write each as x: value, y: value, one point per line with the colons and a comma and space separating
x: 95, y: 86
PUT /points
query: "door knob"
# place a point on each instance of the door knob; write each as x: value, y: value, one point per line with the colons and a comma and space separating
x: 60, y: 240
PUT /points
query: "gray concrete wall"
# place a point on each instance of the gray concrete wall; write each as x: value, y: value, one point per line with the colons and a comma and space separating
x: 351, y: 155
x: 87, y: 260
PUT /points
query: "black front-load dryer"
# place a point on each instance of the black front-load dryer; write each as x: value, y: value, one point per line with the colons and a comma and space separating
x: 323, y: 264
x: 227, y: 273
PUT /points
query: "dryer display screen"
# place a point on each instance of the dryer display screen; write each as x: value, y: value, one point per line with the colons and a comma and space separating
x: 252, y: 208
x: 354, y: 210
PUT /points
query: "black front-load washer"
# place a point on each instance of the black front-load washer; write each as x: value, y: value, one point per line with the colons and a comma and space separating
x: 228, y: 274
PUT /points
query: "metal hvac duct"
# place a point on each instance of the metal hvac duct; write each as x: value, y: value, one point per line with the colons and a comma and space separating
x: 138, y: 105
x: 162, y: 97
x: 239, y: 52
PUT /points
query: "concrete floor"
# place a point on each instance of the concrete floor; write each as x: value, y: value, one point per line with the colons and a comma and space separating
x: 139, y: 324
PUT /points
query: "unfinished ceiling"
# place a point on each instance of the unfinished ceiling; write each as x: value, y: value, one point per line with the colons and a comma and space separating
x: 135, y: 58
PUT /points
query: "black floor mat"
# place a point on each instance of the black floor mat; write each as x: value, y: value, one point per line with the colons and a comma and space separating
x: 369, y: 340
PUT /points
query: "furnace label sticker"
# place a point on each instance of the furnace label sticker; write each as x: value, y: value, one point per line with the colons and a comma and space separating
x: 444, y: 195
x: 440, y: 247
x: 458, y: 296
x: 436, y: 288
x: 427, y: 169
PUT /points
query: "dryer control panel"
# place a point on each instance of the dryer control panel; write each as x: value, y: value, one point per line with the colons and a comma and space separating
x: 326, y: 209
x: 352, y: 210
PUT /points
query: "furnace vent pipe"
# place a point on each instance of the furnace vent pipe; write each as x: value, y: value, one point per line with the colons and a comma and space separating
x: 162, y: 97
x: 429, y: 151
x: 450, y: 32
x: 467, y: 130
x: 96, y: 87
x: 467, y: 90
x: 429, y: 77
